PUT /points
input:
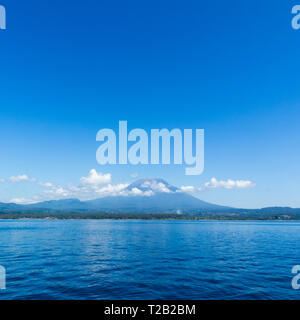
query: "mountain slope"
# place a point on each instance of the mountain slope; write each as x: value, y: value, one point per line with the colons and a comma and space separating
x: 146, y: 196
x: 142, y: 196
x: 9, y: 206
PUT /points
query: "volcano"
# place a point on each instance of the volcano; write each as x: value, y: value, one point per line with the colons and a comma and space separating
x: 151, y: 195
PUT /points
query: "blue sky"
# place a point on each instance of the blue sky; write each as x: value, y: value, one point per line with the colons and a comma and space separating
x: 71, y: 68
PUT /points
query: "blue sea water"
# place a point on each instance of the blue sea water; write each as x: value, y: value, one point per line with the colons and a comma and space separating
x: 104, y: 259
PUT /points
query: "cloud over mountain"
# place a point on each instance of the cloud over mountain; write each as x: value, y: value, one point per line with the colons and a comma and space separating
x: 98, y: 185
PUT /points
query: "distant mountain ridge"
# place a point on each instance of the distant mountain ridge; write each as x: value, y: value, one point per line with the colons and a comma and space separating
x: 157, y: 196
x: 149, y: 196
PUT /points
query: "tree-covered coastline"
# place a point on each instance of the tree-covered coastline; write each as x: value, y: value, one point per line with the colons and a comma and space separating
x: 137, y: 216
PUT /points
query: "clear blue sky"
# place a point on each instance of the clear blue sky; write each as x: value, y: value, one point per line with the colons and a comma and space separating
x: 71, y: 68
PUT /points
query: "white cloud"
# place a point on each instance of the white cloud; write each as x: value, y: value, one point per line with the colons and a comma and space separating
x: 148, y: 193
x: 95, y: 178
x: 217, y: 184
x: 162, y: 188
x: 91, y: 187
x: 111, y: 189
x: 156, y: 186
x: 134, y: 175
x: 20, y: 178
x: 189, y: 189
x: 137, y: 191
x: 228, y: 184
x: 22, y: 201
x: 46, y: 184
x: 58, y: 191
x: 2, y: 180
